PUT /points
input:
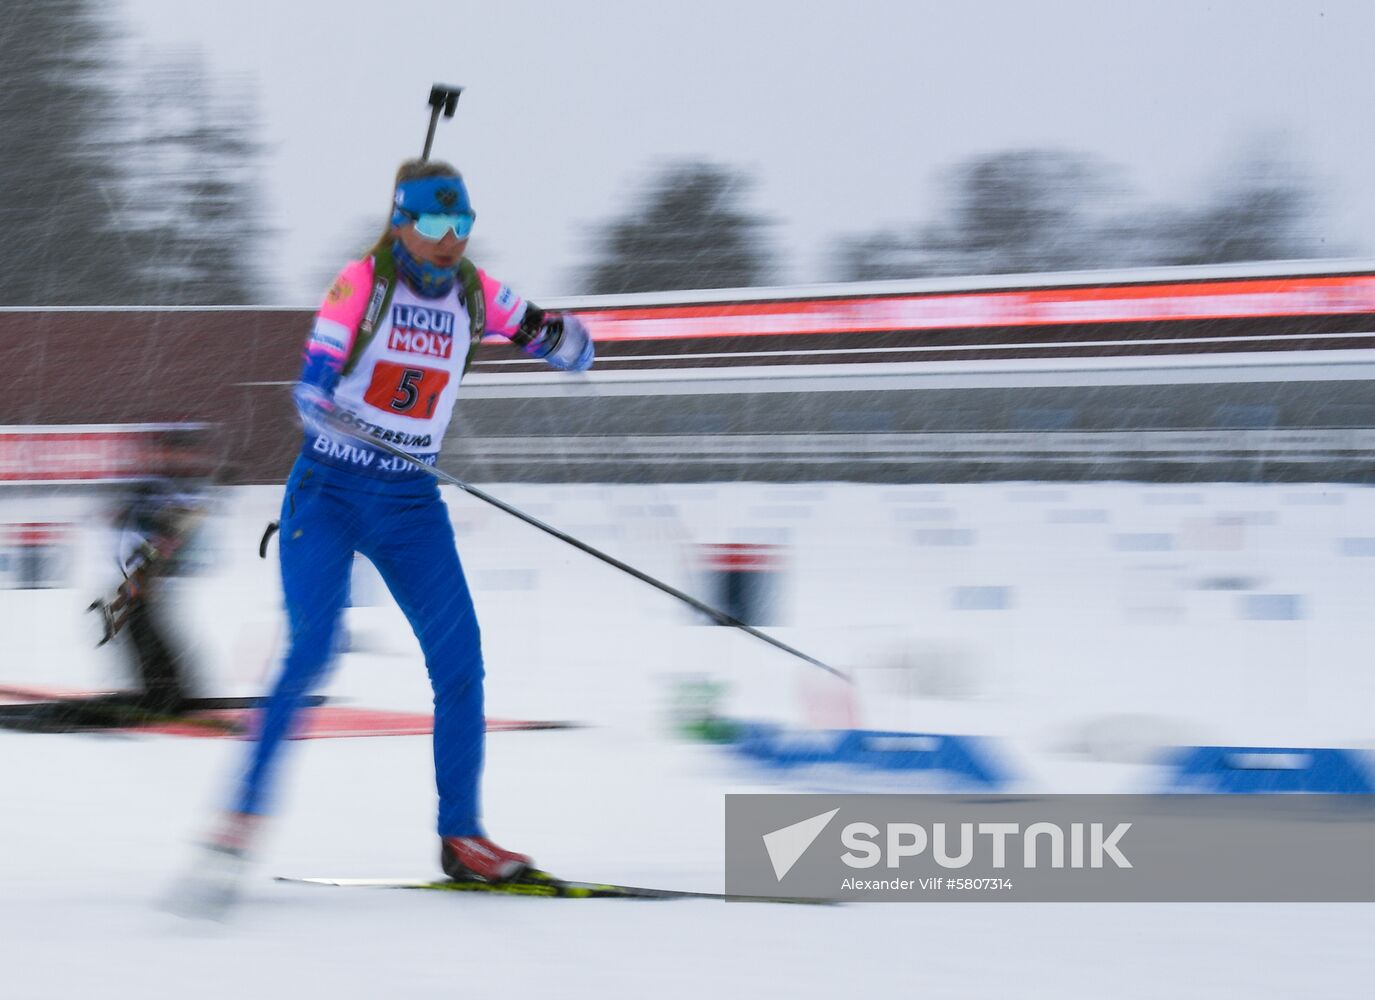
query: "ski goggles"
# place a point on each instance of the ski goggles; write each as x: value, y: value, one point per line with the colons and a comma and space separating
x: 435, y: 227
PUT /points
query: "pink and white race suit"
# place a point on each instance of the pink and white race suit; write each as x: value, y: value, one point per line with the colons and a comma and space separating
x: 405, y: 381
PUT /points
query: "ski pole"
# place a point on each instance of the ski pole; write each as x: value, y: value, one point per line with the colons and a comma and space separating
x: 444, y: 99
x: 720, y: 617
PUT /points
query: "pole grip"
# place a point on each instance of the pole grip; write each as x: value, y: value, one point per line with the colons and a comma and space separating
x: 443, y: 99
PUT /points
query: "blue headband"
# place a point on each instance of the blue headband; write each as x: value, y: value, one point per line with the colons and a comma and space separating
x: 430, y: 196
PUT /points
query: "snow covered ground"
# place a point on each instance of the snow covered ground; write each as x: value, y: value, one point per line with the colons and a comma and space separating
x: 95, y: 826
x: 1077, y: 627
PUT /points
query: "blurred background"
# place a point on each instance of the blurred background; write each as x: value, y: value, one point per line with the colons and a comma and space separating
x: 220, y: 161
x: 845, y: 321
x: 1017, y: 359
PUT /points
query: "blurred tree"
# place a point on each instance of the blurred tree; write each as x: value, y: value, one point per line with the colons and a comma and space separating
x: 1007, y: 212
x: 1027, y: 210
x: 60, y: 190
x: 111, y: 193
x: 193, y: 203
x: 689, y: 229
x: 1024, y: 211
x: 1263, y: 207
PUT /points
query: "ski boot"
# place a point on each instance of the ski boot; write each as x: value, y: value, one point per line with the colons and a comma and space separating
x: 467, y: 858
x: 209, y: 889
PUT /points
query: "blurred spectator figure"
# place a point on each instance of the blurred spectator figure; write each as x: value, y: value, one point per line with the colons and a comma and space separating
x: 154, y: 524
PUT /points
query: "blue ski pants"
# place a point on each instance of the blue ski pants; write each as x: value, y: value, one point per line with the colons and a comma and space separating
x: 328, y: 514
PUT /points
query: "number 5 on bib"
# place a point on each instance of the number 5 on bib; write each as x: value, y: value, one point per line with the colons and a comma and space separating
x: 406, y: 390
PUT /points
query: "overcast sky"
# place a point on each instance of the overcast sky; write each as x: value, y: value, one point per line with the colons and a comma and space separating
x: 845, y: 113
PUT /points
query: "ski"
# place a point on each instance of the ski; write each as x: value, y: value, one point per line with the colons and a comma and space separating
x: 541, y: 883
x: 217, y: 717
x: 33, y: 697
x: 223, y: 704
x: 76, y: 715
